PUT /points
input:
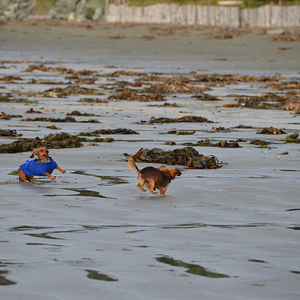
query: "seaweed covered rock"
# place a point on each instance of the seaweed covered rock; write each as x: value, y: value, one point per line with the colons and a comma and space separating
x: 52, y: 141
x: 187, y: 156
x: 270, y: 130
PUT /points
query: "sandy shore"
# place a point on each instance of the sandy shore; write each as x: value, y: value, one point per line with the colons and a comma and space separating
x: 229, y: 233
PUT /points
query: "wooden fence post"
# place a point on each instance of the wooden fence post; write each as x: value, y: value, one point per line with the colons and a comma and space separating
x: 265, y: 16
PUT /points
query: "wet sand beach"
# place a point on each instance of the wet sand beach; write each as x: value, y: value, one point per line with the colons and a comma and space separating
x: 225, y: 233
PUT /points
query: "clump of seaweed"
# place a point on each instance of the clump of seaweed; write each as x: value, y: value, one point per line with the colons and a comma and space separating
x: 241, y: 126
x: 172, y: 88
x: 53, y: 127
x: 99, y: 140
x: 70, y: 90
x: 222, y: 144
x: 180, y: 132
x: 188, y: 119
x: 293, y: 138
x: 287, y: 37
x: 92, y: 100
x: 219, y: 129
x: 84, y: 80
x: 37, y: 81
x: 59, y: 70
x: 131, y: 96
x: 9, y: 132
x: 286, y: 85
x: 206, y: 97
x: 260, y: 143
x: 51, y: 141
x: 10, y: 79
x: 166, y: 104
x: 78, y: 113
x: 122, y: 73
x: 4, y: 116
x: 187, y: 156
x: 66, y: 119
x: 268, y: 101
x: 108, y: 131
x: 9, y: 98
x: 32, y: 111
x: 271, y: 130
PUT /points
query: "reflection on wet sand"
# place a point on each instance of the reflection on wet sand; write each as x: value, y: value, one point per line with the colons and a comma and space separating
x: 81, y: 193
x: 109, y: 180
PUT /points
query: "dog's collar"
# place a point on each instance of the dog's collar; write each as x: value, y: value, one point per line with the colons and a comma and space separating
x: 44, y: 160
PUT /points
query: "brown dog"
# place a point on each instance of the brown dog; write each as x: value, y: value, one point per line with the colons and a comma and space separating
x: 153, y: 178
x: 41, y: 166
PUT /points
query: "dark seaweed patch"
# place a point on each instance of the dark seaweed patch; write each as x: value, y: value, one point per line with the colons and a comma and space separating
x: 270, y: 130
x: 257, y: 261
x: 187, y: 119
x: 9, y: 132
x: 108, y: 131
x: 4, y: 116
x: 191, y: 268
x: 293, y: 138
x: 65, y: 120
x: 52, y: 141
x: 268, y: 101
x: 99, y: 276
x: 5, y: 281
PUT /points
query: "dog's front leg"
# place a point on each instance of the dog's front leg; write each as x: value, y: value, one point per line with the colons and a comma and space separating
x: 163, y: 191
x: 50, y: 176
x: 60, y: 169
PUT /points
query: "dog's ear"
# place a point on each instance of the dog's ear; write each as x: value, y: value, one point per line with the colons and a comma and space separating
x: 33, y: 154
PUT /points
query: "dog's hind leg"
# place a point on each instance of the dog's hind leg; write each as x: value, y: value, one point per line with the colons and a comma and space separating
x: 23, y: 177
x: 150, y: 184
x: 140, y: 185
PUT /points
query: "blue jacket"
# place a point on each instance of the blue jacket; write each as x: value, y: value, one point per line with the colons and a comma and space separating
x: 34, y: 168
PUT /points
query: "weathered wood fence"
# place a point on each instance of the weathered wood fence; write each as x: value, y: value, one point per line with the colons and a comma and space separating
x: 265, y: 16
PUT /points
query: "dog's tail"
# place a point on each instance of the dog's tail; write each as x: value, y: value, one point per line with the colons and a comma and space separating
x: 131, y: 163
